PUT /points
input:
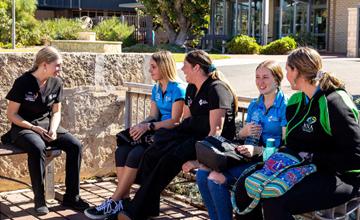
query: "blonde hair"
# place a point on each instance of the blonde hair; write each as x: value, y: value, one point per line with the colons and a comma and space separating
x: 308, y: 63
x: 166, y: 64
x: 275, y: 69
x: 47, y: 54
x: 202, y: 58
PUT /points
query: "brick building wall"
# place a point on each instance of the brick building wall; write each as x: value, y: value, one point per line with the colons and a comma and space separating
x: 338, y: 24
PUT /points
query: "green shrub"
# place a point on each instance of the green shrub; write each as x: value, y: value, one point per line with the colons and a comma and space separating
x: 144, y: 48
x: 243, y: 44
x: 280, y: 46
x: 140, y: 48
x: 113, y: 30
x: 60, y: 29
x: 305, y: 39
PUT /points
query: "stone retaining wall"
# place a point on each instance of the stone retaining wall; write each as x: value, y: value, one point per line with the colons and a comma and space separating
x: 88, y: 46
x: 93, y: 108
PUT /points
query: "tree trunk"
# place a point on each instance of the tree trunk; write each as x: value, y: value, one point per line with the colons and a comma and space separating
x: 184, y: 23
x: 170, y: 30
x: 181, y: 37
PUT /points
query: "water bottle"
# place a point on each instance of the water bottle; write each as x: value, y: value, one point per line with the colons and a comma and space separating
x: 254, y: 139
x: 269, y: 148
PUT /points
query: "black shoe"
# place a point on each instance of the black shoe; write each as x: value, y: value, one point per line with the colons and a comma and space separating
x: 76, y: 203
x: 107, y: 208
x: 41, y: 210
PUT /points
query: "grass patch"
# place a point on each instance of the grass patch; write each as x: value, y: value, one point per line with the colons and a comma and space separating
x: 179, y: 57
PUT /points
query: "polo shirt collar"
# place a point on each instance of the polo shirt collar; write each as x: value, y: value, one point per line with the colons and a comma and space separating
x: 278, y: 99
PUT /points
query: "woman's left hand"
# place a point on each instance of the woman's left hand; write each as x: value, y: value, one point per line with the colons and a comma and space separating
x: 50, y: 135
x: 248, y: 150
x: 138, y: 130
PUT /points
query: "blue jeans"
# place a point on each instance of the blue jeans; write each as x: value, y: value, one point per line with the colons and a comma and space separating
x: 216, y: 197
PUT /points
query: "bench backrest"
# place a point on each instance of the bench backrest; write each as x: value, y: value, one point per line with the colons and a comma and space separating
x: 138, y: 98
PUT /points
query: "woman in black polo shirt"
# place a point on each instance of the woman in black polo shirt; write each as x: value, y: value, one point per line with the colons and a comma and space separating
x: 34, y: 110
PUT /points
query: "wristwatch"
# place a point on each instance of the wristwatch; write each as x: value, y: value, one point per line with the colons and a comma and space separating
x: 152, y: 126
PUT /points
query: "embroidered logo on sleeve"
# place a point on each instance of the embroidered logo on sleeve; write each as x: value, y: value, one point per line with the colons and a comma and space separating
x: 189, y: 101
x: 307, y: 127
x: 30, y: 96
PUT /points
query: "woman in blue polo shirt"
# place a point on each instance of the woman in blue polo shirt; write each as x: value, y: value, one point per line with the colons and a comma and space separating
x: 167, y: 102
x: 214, y: 186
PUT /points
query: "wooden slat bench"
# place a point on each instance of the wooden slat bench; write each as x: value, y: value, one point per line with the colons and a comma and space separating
x: 137, y: 108
x: 51, y: 153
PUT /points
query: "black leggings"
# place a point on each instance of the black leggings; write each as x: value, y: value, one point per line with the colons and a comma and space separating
x: 35, y: 147
x: 130, y: 156
x: 315, y: 192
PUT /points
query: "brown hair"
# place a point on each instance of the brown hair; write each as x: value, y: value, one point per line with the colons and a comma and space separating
x: 47, y: 54
x: 308, y: 63
x: 275, y: 69
x: 202, y: 58
x: 166, y: 64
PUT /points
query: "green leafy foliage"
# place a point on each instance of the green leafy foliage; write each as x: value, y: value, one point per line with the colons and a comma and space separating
x: 182, y: 19
x: 305, y: 39
x: 144, y: 48
x: 280, y: 46
x: 60, y: 29
x: 27, y: 27
x: 113, y: 30
x: 243, y: 44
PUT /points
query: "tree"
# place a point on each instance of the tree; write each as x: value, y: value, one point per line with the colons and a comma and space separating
x: 180, y: 18
x: 26, y: 25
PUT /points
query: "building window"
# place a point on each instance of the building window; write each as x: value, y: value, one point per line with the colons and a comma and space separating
x: 219, y: 17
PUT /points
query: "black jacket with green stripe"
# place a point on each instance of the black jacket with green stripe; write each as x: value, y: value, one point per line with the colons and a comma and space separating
x: 327, y: 126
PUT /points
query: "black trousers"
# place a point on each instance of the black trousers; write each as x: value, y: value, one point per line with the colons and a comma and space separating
x: 159, y: 165
x: 130, y: 156
x: 35, y: 146
x: 315, y: 192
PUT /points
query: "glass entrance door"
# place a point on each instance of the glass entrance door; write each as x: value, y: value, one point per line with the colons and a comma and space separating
x: 295, y: 16
x: 255, y: 11
x: 241, y: 16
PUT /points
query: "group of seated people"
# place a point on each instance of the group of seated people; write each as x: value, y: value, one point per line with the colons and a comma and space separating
x: 319, y: 122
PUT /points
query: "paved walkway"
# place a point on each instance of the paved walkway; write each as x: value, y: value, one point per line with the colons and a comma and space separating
x: 18, y: 205
x: 240, y: 71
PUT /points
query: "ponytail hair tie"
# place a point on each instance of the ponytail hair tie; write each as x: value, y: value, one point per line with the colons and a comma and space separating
x: 212, y: 68
x: 319, y: 75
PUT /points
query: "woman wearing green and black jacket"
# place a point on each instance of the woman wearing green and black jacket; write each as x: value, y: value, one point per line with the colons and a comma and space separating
x: 323, y: 125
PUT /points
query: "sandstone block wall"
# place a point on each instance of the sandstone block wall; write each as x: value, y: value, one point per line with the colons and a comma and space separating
x: 87, y: 46
x: 338, y: 23
x: 93, y: 108
x: 353, y: 32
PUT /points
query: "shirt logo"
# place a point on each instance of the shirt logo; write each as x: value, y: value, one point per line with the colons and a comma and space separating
x: 202, y: 102
x: 189, y: 101
x: 52, y: 96
x: 167, y: 98
x: 157, y: 97
x: 307, y: 127
x: 31, y: 97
